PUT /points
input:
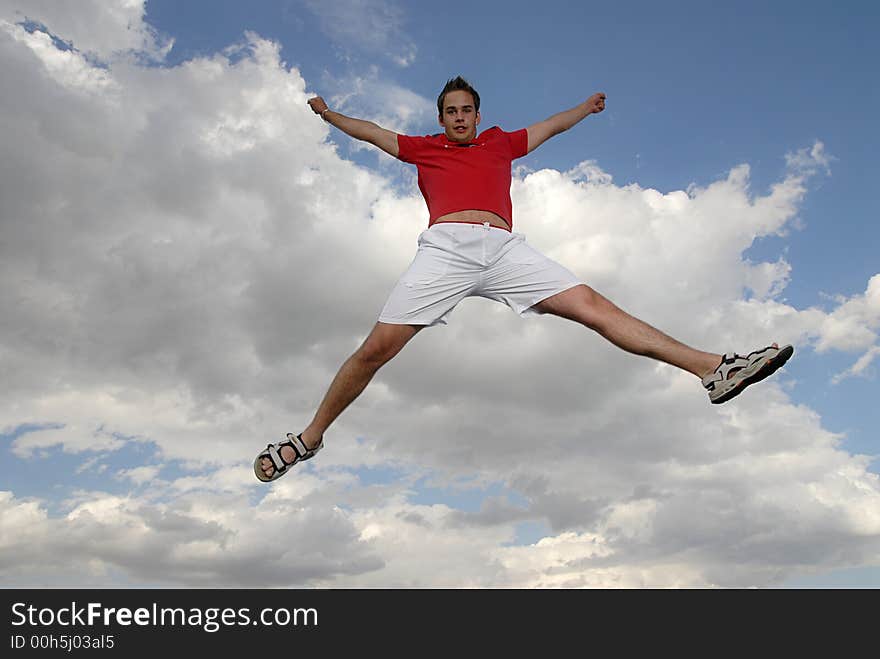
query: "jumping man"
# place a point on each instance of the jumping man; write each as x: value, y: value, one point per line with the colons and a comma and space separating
x: 469, y: 249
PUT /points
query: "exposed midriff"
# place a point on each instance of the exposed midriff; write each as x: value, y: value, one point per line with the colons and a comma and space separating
x: 475, y: 217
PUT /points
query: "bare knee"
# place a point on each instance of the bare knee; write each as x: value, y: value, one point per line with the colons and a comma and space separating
x: 384, y: 343
x: 374, y: 353
x: 581, y: 304
x: 596, y: 310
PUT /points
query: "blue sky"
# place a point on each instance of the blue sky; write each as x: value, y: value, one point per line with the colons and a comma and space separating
x: 143, y: 361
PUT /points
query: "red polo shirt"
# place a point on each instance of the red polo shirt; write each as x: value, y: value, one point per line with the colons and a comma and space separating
x: 456, y: 176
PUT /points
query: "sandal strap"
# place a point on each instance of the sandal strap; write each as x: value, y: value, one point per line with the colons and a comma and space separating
x: 729, y: 362
x: 761, y: 351
x: 296, y: 442
x: 275, y: 457
x: 293, y: 441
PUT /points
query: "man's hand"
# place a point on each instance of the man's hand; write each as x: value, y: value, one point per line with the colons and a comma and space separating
x: 317, y: 104
x: 596, y: 103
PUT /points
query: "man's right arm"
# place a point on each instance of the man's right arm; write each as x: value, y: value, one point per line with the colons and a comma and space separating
x: 357, y: 128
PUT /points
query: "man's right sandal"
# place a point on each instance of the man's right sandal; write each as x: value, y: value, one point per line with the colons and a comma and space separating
x: 273, y: 452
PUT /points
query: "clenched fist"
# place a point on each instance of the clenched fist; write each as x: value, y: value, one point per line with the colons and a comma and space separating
x: 317, y: 104
x: 596, y: 103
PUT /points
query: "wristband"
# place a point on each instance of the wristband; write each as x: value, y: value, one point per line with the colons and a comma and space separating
x: 323, y: 113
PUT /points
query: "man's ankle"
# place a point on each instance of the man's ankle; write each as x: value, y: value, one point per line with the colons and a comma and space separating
x: 311, y: 438
x: 710, y: 366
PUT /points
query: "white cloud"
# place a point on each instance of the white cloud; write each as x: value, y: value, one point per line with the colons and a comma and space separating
x: 583, y: 560
x: 808, y: 161
x: 860, y: 367
x: 374, y: 27
x: 140, y: 475
x: 105, y: 29
x: 195, y: 540
x: 370, y: 97
x: 853, y: 324
x: 67, y: 67
x: 187, y: 260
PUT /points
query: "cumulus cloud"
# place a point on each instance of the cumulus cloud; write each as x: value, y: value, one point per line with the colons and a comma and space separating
x: 100, y: 28
x: 194, y: 541
x: 854, y: 323
x: 186, y: 261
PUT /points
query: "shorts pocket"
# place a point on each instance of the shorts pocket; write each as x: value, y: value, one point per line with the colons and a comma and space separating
x: 522, y: 253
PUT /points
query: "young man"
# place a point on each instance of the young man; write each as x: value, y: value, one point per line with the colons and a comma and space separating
x: 469, y: 249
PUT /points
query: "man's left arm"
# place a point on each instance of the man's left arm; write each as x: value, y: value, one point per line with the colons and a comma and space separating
x: 562, y: 121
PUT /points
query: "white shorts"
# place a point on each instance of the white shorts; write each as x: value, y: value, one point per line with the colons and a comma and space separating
x: 457, y: 260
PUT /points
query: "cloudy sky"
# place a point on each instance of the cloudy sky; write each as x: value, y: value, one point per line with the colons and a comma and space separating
x: 188, y: 254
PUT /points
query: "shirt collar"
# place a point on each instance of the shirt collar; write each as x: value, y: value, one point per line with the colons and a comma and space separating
x: 479, y: 139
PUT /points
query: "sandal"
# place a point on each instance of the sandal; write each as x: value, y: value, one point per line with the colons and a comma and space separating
x: 273, y: 452
x: 736, y: 372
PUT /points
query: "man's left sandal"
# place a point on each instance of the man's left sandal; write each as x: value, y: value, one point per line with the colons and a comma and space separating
x: 273, y: 452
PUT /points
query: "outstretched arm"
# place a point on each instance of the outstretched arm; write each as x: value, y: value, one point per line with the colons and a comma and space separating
x: 357, y: 128
x: 544, y: 130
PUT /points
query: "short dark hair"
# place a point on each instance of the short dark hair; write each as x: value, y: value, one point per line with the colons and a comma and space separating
x: 457, y: 84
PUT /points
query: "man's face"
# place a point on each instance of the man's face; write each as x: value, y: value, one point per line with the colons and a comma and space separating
x: 460, y: 118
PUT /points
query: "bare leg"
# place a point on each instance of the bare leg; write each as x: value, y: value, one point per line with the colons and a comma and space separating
x: 584, y: 305
x: 383, y: 343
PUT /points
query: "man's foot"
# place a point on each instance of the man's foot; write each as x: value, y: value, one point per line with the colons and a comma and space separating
x: 736, y: 372
x: 287, y: 453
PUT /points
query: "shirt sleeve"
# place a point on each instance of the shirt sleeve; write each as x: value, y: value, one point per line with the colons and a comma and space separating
x: 409, y: 147
x: 519, y: 143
